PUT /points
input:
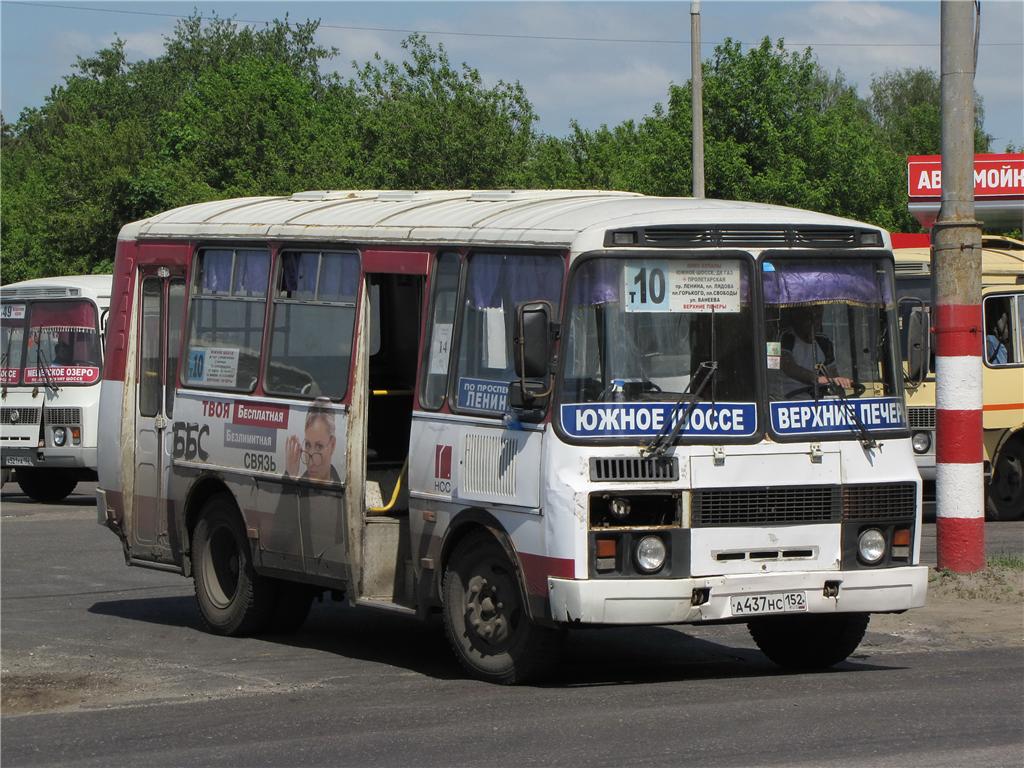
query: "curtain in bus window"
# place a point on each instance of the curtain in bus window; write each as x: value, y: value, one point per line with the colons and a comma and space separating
x: 216, y: 271
x: 497, y: 279
x: 298, y: 274
x: 339, y: 277
x: 597, y: 282
x: 815, y: 283
x: 252, y: 271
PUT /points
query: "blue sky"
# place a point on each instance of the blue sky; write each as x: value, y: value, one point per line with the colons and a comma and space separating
x: 591, y: 81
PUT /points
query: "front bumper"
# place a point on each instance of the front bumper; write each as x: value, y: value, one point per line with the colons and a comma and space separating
x: 669, y: 601
x: 926, y: 465
x: 51, y: 458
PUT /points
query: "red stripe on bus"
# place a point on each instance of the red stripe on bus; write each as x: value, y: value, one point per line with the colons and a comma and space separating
x: 1004, y: 407
x: 537, y: 569
x: 961, y: 543
x: 958, y: 437
x: 958, y: 330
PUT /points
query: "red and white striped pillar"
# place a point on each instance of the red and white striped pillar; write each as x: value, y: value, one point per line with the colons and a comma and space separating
x: 959, y: 335
x: 959, y: 469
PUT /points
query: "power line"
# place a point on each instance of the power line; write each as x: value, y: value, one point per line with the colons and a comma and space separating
x: 504, y: 35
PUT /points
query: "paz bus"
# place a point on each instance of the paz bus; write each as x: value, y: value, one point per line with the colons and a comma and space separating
x: 524, y: 410
x: 51, y: 342
x: 1002, y: 372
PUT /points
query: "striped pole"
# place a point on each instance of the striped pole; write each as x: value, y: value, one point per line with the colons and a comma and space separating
x: 959, y: 332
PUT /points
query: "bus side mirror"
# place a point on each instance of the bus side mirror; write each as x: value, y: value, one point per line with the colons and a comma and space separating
x: 532, y: 344
x: 919, y: 345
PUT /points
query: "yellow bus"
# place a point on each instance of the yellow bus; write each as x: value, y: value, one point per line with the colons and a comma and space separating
x: 1003, y: 377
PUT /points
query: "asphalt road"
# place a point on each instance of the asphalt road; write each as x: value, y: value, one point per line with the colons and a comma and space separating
x: 109, y: 666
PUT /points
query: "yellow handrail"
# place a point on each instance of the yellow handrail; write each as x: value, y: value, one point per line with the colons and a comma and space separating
x: 394, y: 494
x: 390, y: 392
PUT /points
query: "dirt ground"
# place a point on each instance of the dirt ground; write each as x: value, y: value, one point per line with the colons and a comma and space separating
x: 962, y: 611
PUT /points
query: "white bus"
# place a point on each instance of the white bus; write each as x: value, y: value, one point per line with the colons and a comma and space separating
x: 51, y: 345
x: 525, y: 410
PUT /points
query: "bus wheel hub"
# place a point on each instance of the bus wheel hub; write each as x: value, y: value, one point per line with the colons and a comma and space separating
x: 485, y: 610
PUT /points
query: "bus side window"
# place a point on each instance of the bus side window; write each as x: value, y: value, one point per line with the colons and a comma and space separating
x: 313, y: 318
x: 441, y: 321
x: 226, y: 319
x: 175, y: 320
x: 1000, y: 346
x: 495, y: 284
x: 149, y: 370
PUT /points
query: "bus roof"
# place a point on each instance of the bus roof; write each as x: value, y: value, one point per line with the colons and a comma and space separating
x: 574, y: 219
x: 95, y: 287
x: 999, y: 256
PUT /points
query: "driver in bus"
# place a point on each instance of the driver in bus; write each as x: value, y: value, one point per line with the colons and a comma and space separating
x: 804, y: 351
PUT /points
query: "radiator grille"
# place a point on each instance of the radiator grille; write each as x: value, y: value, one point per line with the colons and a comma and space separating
x: 886, y: 501
x: 63, y: 416
x: 12, y: 416
x: 765, y: 506
x: 490, y: 466
x: 807, y: 504
x: 921, y: 417
x: 615, y: 469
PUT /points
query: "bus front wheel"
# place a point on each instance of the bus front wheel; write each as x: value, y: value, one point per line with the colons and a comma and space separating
x: 1005, y: 496
x: 46, y: 486
x: 233, y: 599
x: 485, y: 619
x: 809, y: 641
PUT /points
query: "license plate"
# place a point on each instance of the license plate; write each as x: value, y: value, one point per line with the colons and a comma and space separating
x: 779, y: 602
x: 17, y: 461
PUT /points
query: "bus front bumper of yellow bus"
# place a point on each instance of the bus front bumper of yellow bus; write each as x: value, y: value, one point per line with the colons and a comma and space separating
x: 714, y: 598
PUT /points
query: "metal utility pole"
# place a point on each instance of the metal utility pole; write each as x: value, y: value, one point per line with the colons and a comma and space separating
x: 697, y: 100
x: 959, y: 331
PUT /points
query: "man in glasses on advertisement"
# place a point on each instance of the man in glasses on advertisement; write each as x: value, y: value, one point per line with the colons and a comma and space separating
x: 316, y: 451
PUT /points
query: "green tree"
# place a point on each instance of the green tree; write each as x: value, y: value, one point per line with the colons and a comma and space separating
x: 907, y: 105
x: 426, y: 124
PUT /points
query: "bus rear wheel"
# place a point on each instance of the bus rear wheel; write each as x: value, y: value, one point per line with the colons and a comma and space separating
x: 233, y: 599
x: 810, y: 641
x: 1005, y: 494
x: 46, y: 486
x: 486, y: 621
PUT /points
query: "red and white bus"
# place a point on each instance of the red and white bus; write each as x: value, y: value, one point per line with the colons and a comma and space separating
x: 528, y: 410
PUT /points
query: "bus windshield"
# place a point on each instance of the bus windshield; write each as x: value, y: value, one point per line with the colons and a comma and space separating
x: 830, y: 335
x: 652, y: 330
x: 63, y: 343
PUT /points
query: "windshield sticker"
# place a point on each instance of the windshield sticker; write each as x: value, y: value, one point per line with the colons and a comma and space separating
x: 216, y: 366
x: 63, y: 374
x: 12, y: 311
x: 686, y: 286
x: 827, y: 417
x: 649, y: 419
x: 483, y: 394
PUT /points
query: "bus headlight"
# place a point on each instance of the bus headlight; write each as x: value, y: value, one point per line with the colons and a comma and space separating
x: 650, y: 554
x: 870, y: 546
x: 60, y: 436
x: 921, y: 441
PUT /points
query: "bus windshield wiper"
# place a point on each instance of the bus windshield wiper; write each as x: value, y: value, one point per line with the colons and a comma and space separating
x: 667, y: 436
x: 863, y: 435
x: 44, y: 365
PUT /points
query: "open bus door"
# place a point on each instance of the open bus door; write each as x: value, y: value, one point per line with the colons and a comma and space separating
x: 384, y: 378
